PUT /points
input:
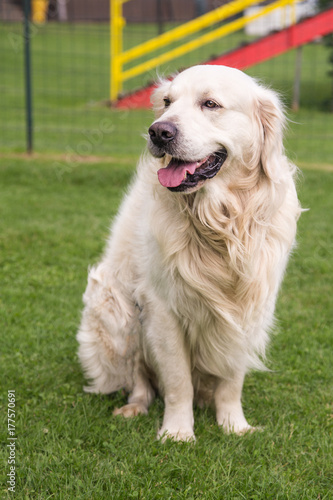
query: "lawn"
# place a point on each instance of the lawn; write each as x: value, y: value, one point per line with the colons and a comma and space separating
x: 53, y: 226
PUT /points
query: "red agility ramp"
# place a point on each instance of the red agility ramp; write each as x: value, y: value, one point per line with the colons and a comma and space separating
x: 256, y: 52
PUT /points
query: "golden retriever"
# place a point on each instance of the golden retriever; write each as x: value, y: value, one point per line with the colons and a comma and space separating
x: 183, y: 299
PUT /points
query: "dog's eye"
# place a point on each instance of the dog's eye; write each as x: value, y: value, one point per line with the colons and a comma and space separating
x: 211, y: 104
x: 167, y: 102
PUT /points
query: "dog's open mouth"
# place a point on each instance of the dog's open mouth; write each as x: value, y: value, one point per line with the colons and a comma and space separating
x: 180, y: 175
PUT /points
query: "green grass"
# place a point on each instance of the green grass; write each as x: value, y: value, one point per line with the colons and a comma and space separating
x: 69, y: 446
x: 71, y: 65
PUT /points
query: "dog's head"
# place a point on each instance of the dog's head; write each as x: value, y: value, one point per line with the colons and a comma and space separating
x: 211, y: 119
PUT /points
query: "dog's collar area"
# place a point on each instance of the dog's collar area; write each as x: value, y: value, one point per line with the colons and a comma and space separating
x: 180, y: 176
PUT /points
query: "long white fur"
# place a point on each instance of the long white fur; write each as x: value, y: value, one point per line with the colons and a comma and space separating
x: 183, y: 299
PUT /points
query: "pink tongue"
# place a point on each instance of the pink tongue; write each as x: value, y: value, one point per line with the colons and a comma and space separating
x: 174, y: 174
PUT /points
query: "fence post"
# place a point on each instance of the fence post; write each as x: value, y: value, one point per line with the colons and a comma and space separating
x: 297, y: 79
x: 27, y: 77
x: 116, y: 46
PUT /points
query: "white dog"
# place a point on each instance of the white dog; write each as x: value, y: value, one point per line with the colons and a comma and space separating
x: 183, y: 300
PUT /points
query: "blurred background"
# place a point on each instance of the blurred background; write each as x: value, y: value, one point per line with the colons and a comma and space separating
x: 65, y: 66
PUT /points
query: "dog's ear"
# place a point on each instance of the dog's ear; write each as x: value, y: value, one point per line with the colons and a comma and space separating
x: 157, y: 98
x: 271, y: 120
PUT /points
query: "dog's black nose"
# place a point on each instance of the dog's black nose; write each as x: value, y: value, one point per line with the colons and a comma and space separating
x: 162, y: 132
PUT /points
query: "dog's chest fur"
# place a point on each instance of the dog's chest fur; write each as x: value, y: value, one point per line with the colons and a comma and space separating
x: 193, y: 277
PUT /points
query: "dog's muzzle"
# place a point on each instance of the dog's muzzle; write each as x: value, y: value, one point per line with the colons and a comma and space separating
x: 181, y: 175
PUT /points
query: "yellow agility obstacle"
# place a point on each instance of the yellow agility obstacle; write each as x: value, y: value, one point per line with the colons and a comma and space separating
x: 120, y: 58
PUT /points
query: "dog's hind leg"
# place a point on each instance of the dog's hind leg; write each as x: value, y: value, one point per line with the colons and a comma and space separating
x: 141, y: 396
x: 108, y: 334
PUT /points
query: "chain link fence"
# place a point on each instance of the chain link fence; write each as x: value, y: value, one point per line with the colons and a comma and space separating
x: 69, y: 71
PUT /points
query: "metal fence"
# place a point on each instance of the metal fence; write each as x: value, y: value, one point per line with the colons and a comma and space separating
x: 68, y: 77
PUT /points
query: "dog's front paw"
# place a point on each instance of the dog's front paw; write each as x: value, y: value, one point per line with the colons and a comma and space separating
x: 175, y: 435
x: 237, y: 426
x: 131, y: 410
x: 239, y: 430
x: 231, y: 419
